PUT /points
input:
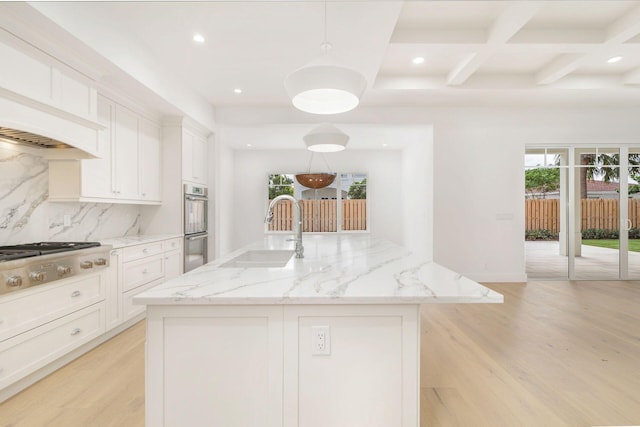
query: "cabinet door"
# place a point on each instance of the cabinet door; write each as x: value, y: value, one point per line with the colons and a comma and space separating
x: 150, y: 161
x: 199, y: 160
x: 125, y: 154
x: 96, y: 173
x: 172, y: 264
x: 194, y: 158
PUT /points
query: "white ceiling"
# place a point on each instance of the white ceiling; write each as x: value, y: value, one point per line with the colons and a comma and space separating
x: 476, y: 52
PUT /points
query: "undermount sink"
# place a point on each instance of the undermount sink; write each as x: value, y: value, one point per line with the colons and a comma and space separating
x: 260, y: 259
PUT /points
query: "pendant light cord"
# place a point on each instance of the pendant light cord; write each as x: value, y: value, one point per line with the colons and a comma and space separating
x: 325, y: 22
x: 325, y: 46
x: 323, y: 158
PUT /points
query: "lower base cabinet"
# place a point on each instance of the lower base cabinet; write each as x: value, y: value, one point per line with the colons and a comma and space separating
x: 261, y: 366
x: 41, y: 324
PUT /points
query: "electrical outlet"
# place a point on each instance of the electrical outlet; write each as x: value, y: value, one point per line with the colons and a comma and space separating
x: 320, y: 340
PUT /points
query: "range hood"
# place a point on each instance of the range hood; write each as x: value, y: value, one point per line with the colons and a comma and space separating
x: 20, y: 137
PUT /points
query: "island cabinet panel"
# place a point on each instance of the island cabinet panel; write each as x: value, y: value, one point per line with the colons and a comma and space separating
x: 256, y: 366
x: 218, y: 366
x: 370, y: 376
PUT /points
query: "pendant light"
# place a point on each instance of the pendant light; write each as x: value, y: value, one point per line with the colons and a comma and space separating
x: 325, y: 86
x: 326, y: 138
x: 316, y: 180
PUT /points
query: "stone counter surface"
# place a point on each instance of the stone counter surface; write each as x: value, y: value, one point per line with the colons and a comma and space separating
x: 340, y: 269
x: 123, y: 242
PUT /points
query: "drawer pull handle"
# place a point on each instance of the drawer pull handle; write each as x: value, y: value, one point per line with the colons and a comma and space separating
x: 76, y: 331
x: 75, y: 294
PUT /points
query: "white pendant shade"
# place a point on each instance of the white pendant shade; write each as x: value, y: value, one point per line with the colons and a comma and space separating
x: 326, y: 138
x: 325, y: 88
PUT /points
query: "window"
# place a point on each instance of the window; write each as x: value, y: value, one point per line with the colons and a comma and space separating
x: 341, y: 206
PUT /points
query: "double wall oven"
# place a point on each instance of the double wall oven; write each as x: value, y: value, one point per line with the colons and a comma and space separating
x: 195, y: 226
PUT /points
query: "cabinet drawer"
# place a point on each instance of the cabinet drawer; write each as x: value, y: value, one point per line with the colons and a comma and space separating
x: 27, y: 352
x: 129, y: 309
x: 44, y: 303
x: 143, y: 271
x: 133, y: 253
x: 173, y: 244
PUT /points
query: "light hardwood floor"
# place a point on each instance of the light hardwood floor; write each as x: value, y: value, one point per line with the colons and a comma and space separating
x: 554, y: 354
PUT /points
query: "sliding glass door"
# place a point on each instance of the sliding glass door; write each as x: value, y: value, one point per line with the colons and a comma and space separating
x: 630, y: 226
x: 582, y: 213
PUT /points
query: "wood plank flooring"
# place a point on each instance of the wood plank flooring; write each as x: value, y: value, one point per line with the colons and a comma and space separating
x: 554, y: 354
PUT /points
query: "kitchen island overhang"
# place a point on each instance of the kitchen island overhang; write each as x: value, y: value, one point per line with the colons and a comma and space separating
x: 331, y: 339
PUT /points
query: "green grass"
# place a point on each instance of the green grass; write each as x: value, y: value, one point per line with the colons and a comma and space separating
x: 634, y: 244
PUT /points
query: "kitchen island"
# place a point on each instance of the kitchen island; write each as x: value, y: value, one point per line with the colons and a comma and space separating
x: 332, y: 339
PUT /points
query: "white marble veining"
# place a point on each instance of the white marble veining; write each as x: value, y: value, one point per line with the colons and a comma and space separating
x: 27, y: 216
x: 122, y: 242
x: 340, y: 269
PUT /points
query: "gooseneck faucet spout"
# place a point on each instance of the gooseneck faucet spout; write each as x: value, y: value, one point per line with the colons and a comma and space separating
x: 297, y: 220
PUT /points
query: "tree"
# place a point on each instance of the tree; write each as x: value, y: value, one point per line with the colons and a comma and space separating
x: 540, y: 181
x: 605, y: 166
x: 279, y: 185
x: 358, y: 190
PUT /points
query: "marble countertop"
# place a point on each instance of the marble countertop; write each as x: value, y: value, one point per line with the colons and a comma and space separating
x: 122, y: 242
x: 341, y: 269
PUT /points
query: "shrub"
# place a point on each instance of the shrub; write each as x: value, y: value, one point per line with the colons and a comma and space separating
x: 599, y: 233
x: 634, y: 233
x: 540, y: 235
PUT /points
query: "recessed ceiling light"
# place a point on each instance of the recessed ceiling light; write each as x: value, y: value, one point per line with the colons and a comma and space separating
x: 198, y: 38
x: 384, y: 145
x: 237, y: 90
x: 614, y: 59
x: 418, y: 60
x: 249, y: 145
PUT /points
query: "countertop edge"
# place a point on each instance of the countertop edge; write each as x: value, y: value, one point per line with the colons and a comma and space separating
x: 141, y: 239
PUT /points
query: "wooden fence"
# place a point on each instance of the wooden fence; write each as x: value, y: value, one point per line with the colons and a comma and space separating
x: 321, y: 215
x: 544, y: 214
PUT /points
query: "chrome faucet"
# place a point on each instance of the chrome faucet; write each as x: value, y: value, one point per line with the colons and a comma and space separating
x: 297, y: 221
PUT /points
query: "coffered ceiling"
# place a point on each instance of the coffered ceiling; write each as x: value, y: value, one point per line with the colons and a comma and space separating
x: 475, y: 52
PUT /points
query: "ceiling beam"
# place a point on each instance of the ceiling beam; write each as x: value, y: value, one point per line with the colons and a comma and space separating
x: 624, y: 28
x: 632, y: 77
x: 466, y: 67
x: 617, y: 33
x: 559, y: 68
x: 512, y: 20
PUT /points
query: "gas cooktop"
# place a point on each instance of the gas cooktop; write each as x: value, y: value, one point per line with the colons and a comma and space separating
x: 23, y: 266
x: 42, y: 248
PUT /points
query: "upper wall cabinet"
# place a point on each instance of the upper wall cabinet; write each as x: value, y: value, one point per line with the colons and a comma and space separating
x: 40, y: 95
x: 194, y: 158
x: 129, y: 170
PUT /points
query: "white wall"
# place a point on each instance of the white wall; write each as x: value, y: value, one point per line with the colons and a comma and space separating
x: 417, y: 196
x: 478, y: 178
x: 245, y: 223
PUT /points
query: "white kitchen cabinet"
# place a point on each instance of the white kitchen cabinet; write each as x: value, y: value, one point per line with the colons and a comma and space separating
x: 35, y: 76
x: 141, y: 266
x: 173, y: 258
x: 129, y: 170
x: 150, y: 161
x: 43, y: 323
x: 194, y: 158
x: 270, y: 365
x: 124, y: 158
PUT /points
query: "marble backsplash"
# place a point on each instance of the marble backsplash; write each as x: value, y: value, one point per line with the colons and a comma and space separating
x: 26, y: 215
